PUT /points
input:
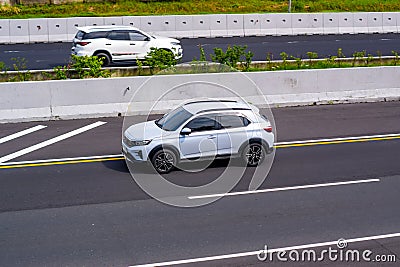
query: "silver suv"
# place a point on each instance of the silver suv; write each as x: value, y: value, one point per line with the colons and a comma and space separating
x: 120, y: 43
x: 201, y: 129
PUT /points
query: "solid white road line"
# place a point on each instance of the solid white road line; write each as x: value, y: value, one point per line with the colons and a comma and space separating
x: 21, y: 133
x: 59, y: 159
x: 50, y: 141
x: 253, y: 253
x: 285, y: 188
x: 337, y: 139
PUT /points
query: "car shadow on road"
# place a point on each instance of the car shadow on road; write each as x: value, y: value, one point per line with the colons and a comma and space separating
x: 116, y: 165
x: 121, y: 166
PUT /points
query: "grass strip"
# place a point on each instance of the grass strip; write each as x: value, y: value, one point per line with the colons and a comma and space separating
x: 187, y: 7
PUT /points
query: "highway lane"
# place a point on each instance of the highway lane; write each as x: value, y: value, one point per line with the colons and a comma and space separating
x: 48, y: 56
x: 137, y: 232
x: 94, y: 214
x: 293, y: 123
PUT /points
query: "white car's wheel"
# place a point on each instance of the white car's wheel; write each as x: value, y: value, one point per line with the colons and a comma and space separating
x: 164, y: 161
x: 253, y: 154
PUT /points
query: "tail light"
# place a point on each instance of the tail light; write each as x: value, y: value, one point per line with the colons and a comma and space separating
x: 268, y: 129
x: 82, y: 43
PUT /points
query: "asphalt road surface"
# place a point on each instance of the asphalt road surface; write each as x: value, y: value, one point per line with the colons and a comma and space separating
x: 77, y: 212
x: 47, y: 56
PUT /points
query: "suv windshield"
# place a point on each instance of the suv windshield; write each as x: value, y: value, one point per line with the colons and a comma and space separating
x: 171, y: 121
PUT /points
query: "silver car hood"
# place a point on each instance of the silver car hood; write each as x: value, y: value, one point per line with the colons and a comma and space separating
x: 145, y: 131
x: 163, y: 38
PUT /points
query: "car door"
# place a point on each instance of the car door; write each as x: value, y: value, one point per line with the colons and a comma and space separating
x: 202, y: 141
x: 139, y: 43
x: 233, y: 133
x: 119, y: 45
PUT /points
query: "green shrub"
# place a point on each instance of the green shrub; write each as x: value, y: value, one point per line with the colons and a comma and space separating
x: 3, y: 66
x: 159, y: 58
x: 396, y: 58
x: 233, y: 56
x: 358, y: 56
x: 6, y: 10
x: 19, y: 66
x: 284, y: 57
x: 89, y: 67
x: 61, y: 72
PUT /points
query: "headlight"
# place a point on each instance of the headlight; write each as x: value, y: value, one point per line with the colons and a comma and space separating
x: 131, y: 143
x: 140, y: 143
x: 175, y: 43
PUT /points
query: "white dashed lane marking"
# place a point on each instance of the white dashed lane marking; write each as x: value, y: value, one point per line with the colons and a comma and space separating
x: 21, y: 133
x: 50, y: 141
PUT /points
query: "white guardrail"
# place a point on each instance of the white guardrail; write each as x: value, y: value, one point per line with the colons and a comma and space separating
x: 194, y: 26
x: 27, y: 101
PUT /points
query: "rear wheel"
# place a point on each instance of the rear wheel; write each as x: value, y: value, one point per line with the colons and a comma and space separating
x: 164, y: 161
x: 105, y: 57
x: 253, y: 154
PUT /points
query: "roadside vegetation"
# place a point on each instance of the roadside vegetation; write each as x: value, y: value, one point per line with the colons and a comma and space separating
x: 236, y: 58
x: 183, y: 7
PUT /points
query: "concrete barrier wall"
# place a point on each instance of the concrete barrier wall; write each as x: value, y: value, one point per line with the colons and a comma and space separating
x: 214, y: 25
x: 26, y: 101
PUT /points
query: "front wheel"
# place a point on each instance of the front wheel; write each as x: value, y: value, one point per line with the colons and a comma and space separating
x: 164, y: 161
x: 253, y: 154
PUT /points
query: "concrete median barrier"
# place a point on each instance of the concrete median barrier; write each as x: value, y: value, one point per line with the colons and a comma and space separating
x: 27, y: 101
x: 210, y: 25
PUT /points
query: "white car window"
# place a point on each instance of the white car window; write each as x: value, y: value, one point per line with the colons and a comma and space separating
x: 202, y: 123
x: 95, y: 35
x: 119, y: 35
x: 233, y: 121
x: 137, y: 36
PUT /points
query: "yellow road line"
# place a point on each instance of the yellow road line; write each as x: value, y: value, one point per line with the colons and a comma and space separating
x: 121, y: 158
x: 339, y: 142
x: 59, y: 163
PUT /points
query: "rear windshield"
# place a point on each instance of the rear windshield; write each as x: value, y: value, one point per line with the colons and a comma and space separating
x: 91, y: 35
x: 79, y: 35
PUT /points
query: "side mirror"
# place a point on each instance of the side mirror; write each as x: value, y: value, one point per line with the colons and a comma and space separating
x: 186, y: 131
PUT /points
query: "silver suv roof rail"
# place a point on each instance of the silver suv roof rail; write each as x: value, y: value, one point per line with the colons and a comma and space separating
x: 220, y: 109
x: 210, y: 101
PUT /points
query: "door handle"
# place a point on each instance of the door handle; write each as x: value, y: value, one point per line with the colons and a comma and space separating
x: 211, y: 137
x: 132, y: 44
x: 108, y: 44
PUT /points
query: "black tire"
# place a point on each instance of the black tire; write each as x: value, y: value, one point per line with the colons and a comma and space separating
x: 105, y: 57
x: 253, y: 154
x: 164, y: 161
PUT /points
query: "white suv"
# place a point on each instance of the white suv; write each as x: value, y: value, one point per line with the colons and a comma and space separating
x: 120, y: 43
x: 201, y: 129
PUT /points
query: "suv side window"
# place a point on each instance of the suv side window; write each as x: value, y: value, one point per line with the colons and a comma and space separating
x: 137, y: 36
x: 233, y: 121
x: 95, y: 35
x: 202, y: 123
x: 119, y: 35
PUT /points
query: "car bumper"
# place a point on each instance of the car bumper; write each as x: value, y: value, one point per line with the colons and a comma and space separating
x: 80, y: 53
x: 134, y: 154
